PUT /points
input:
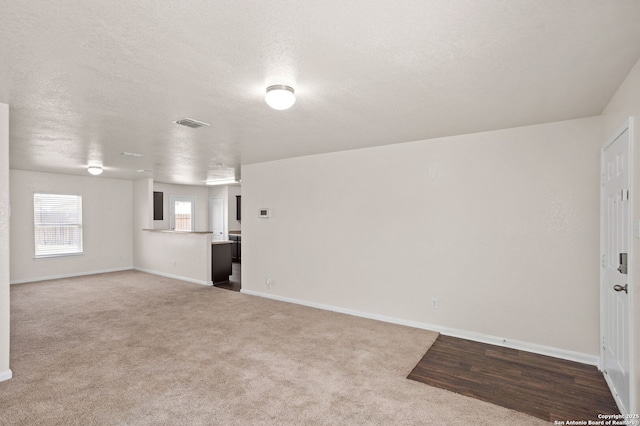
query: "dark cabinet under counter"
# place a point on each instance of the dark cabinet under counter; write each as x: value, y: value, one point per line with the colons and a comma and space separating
x: 236, y: 249
x: 220, y: 261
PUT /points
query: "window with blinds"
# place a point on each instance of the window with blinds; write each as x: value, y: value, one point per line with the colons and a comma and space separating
x: 182, y: 210
x: 57, y: 224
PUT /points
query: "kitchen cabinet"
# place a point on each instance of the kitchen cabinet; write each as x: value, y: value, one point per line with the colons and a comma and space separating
x: 236, y: 249
x: 220, y: 261
x: 158, y: 206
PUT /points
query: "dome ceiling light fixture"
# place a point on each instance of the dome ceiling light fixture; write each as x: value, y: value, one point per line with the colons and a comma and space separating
x: 280, y: 97
x: 95, y: 170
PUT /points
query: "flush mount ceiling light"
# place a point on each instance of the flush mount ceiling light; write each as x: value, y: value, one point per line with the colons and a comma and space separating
x: 280, y: 97
x: 190, y: 122
x: 221, y: 181
x: 95, y: 170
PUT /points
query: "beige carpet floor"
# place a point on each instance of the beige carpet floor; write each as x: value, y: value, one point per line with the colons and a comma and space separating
x: 129, y: 348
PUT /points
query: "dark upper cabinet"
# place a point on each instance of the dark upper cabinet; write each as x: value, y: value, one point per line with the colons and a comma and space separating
x: 157, y: 206
x: 238, y: 204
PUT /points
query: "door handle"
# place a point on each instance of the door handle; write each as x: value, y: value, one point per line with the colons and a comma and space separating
x: 623, y: 263
x: 619, y: 287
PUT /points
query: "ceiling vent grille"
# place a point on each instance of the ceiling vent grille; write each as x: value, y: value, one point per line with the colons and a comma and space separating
x: 130, y: 154
x: 190, y: 122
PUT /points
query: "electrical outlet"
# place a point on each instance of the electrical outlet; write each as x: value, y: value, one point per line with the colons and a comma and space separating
x: 268, y: 282
x: 434, y: 303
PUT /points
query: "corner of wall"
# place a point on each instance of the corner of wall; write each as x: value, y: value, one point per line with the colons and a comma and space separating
x: 5, y: 372
x: 5, y: 375
x: 142, y: 213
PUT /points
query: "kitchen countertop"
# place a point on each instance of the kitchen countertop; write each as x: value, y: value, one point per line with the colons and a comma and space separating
x: 221, y: 242
x: 169, y: 231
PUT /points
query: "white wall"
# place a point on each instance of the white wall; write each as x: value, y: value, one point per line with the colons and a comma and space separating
x: 202, y: 203
x: 234, y: 224
x: 106, y: 217
x: 142, y: 215
x: 203, y: 194
x: 626, y: 103
x: 5, y: 372
x: 183, y: 256
x: 501, y: 227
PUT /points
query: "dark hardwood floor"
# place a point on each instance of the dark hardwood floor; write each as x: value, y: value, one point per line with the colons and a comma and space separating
x: 541, y: 386
x: 235, y: 280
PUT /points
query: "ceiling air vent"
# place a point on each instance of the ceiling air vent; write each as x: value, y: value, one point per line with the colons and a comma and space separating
x: 190, y: 122
x: 130, y: 154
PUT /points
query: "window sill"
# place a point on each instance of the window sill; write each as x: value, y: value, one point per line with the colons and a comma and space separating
x: 53, y: 256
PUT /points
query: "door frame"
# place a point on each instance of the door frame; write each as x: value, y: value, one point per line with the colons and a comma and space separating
x: 635, y: 232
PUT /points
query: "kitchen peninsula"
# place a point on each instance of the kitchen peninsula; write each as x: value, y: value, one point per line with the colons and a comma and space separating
x: 186, y: 255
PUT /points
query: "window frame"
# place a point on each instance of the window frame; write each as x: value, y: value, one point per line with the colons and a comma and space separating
x: 76, y: 250
x: 172, y: 213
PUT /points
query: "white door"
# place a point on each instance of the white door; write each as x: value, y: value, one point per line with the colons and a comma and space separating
x: 217, y: 219
x: 182, y: 213
x: 615, y: 275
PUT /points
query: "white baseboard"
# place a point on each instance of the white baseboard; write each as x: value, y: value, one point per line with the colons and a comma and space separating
x: 5, y: 375
x: 75, y: 274
x: 523, y: 346
x: 176, y: 277
x: 463, y: 334
x: 616, y: 397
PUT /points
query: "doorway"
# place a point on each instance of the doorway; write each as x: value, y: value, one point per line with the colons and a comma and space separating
x: 235, y: 279
x: 616, y: 259
x: 218, y: 218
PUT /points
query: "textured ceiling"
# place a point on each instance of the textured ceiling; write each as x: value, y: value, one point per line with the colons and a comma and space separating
x: 89, y: 80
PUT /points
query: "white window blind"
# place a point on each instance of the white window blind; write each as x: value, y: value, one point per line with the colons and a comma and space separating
x: 182, y: 209
x: 57, y: 224
x: 182, y: 216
